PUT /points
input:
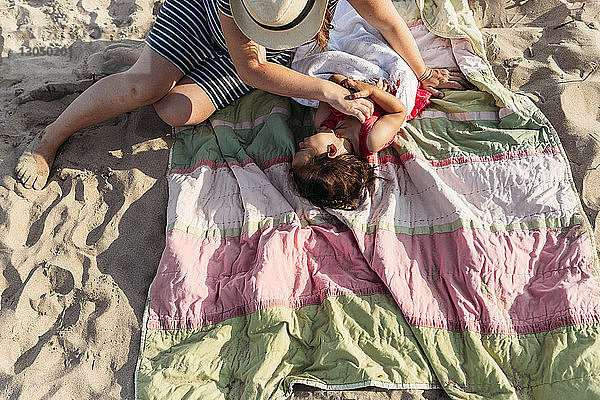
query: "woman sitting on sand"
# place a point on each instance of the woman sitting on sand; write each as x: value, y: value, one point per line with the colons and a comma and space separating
x: 201, y: 55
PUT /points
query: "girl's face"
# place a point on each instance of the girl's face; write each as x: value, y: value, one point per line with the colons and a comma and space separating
x: 317, y: 144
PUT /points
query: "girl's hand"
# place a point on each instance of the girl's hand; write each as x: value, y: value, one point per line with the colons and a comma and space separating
x: 359, y: 89
x: 339, y: 99
x: 445, y: 79
x: 381, y: 84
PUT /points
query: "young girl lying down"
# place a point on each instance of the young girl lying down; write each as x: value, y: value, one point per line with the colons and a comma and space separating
x: 331, y: 168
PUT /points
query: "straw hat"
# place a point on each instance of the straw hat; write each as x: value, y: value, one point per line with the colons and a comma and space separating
x: 279, y: 24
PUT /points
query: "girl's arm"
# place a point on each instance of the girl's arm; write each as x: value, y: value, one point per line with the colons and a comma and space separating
x: 386, y: 100
x: 384, y: 131
x: 388, y: 125
x: 249, y: 59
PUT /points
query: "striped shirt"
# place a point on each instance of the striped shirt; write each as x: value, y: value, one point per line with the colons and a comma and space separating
x: 189, y: 35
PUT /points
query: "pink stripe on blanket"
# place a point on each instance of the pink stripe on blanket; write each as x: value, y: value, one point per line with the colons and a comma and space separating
x: 390, y: 158
x: 412, y: 24
x: 504, y: 282
x: 471, y: 159
x: 202, y: 281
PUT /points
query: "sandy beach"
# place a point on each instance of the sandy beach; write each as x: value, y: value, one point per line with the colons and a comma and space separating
x: 77, y: 258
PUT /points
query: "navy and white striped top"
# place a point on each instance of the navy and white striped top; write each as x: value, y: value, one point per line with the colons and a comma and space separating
x: 189, y: 35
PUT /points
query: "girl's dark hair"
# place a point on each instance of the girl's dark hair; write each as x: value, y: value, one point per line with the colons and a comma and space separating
x: 322, y: 37
x: 340, y: 182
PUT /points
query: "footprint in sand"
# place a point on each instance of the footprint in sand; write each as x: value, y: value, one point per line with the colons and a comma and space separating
x: 53, y: 91
x: 61, y: 280
x: 47, y: 305
x: 52, y: 295
x: 491, y: 48
x: 122, y: 12
x: 121, y: 55
x: 115, y: 58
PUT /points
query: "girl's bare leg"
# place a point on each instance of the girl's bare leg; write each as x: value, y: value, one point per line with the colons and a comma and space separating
x: 147, y: 81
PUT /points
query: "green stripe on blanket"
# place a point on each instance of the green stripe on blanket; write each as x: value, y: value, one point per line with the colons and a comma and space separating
x: 273, y: 348
x: 286, y: 124
x: 546, y: 365
x: 362, y: 340
x: 434, y: 138
x: 440, y: 138
x: 550, y: 223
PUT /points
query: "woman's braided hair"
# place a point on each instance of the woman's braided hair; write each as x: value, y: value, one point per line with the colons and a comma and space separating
x: 322, y: 37
x: 341, y: 182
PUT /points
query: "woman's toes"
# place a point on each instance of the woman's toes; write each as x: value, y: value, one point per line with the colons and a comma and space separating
x: 39, y: 183
x: 21, y: 168
x: 26, y: 180
x: 19, y: 171
x: 33, y: 181
x: 33, y: 168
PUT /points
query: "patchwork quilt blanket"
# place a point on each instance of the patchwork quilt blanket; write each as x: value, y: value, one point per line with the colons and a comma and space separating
x: 471, y: 267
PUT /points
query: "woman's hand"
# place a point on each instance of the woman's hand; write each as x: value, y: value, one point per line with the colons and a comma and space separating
x: 339, y: 98
x: 442, y: 78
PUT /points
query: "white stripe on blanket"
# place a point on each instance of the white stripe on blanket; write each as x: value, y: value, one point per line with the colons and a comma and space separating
x: 424, y: 195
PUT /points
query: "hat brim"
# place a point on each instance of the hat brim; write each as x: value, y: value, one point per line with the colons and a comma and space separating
x: 296, y: 36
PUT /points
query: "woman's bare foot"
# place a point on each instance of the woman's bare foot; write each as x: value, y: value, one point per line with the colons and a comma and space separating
x: 33, y: 167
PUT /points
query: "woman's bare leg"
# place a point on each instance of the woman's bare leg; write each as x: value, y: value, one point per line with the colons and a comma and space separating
x: 147, y: 81
x: 186, y: 104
